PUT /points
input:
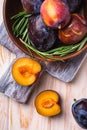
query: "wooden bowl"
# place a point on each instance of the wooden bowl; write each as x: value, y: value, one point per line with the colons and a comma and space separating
x: 12, y: 7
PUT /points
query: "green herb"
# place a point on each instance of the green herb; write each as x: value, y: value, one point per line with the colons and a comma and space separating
x: 20, y: 29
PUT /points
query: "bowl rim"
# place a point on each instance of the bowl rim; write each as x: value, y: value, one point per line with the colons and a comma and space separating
x: 25, y: 50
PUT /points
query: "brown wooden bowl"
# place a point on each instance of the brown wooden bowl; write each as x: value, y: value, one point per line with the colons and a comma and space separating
x: 12, y: 7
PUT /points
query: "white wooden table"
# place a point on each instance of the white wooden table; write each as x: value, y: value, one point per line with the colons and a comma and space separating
x: 14, y: 116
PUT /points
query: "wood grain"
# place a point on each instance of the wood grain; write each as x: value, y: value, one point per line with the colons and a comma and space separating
x: 5, y: 59
x: 15, y: 116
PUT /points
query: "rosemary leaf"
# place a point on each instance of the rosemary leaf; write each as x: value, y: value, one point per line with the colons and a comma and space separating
x: 14, y: 25
x: 84, y: 41
x: 19, y: 15
x: 28, y: 15
x: 19, y: 25
x: 25, y: 33
x: 23, y: 27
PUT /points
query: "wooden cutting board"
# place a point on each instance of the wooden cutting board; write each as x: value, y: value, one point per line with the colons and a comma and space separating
x: 15, y: 116
x: 8, y: 85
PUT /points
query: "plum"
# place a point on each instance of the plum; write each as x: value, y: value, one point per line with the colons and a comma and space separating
x: 55, y: 13
x: 32, y: 6
x: 41, y: 36
x: 79, y: 111
x: 75, y: 31
x: 47, y: 103
x: 25, y: 71
x: 73, y: 4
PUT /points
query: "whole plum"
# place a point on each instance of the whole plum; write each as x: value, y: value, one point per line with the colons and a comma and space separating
x: 79, y: 111
x: 41, y: 36
x: 75, y: 31
x: 32, y: 6
x: 73, y: 4
x: 55, y: 13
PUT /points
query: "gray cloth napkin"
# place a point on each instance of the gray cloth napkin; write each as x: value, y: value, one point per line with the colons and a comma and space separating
x: 8, y: 85
x: 64, y: 71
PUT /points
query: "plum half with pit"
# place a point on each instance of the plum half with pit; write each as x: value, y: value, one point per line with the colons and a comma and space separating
x: 41, y: 36
x: 32, y: 6
x: 79, y: 111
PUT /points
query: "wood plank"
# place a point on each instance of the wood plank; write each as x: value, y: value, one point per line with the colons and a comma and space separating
x: 4, y: 105
x: 25, y: 117
x: 15, y: 116
x: 67, y: 70
x: 5, y: 59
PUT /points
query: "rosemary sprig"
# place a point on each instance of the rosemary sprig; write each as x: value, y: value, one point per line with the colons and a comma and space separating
x: 20, y: 29
x: 23, y: 13
x: 62, y: 51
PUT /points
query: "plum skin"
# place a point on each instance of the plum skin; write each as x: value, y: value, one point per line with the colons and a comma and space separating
x: 79, y: 111
x: 73, y: 5
x: 75, y: 31
x: 55, y: 13
x: 32, y: 6
x: 41, y: 36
